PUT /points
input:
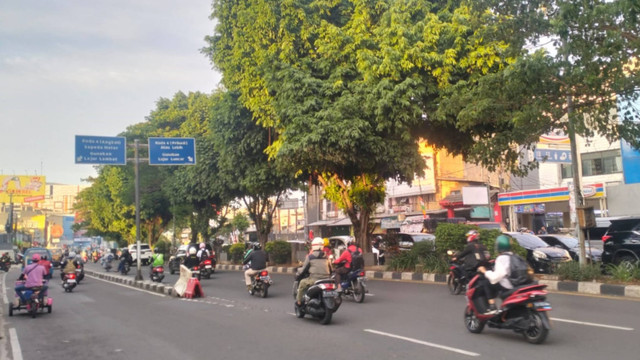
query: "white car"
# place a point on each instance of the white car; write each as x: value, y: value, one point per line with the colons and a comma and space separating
x: 145, y: 253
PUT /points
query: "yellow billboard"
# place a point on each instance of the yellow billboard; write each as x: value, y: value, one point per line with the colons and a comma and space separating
x: 21, y: 188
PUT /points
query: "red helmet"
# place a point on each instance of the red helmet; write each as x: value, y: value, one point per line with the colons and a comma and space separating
x: 472, y: 235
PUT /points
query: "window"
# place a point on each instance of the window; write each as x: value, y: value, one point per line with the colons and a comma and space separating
x: 597, y: 163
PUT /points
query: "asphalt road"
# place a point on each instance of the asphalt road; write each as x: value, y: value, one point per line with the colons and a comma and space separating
x: 398, y: 320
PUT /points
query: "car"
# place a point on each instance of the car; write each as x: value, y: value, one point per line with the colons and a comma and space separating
x: 407, y: 240
x: 488, y: 225
x: 28, y: 254
x: 145, y: 253
x: 540, y: 256
x: 56, y: 256
x: 621, y: 242
x: 572, y: 245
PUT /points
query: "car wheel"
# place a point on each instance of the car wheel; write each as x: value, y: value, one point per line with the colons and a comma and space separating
x: 627, y: 261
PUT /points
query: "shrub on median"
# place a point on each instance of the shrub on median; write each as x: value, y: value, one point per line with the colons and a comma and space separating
x: 572, y: 271
x: 279, y: 251
x: 421, y: 253
x: 236, y: 253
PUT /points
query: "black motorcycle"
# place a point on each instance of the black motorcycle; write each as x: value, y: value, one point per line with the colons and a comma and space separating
x: 260, y: 284
x: 5, y: 265
x: 321, y: 300
x: 125, y: 267
x: 458, y: 278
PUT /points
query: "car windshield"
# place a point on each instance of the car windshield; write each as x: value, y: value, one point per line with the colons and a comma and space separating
x: 569, y: 241
x: 425, y: 237
x: 528, y: 240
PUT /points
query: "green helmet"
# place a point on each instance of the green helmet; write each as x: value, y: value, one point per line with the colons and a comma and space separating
x: 503, y: 243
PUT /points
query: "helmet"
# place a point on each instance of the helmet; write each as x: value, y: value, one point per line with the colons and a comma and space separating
x: 202, y: 245
x: 192, y: 251
x: 472, y: 235
x: 35, y: 258
x: 503, y: 243
x: 257, y: 246
x: 326, y: 242
x: 44, y: 257
x: 72, y: 254
x: 317, y: 244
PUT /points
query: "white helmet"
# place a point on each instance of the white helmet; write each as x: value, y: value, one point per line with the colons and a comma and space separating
x: 192, y: 251
x: 317, y: 244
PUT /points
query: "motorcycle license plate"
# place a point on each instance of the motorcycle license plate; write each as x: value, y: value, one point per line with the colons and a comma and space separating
x: 543, y: 305
x: 329, y: 294
x: 265, y: 278
x: 208, y: 267
x: 71, y: 281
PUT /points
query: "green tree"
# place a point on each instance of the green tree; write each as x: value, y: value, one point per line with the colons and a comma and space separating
x: 244, y: 170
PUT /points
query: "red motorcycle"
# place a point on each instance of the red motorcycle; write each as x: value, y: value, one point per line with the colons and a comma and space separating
x: 523, y: 310
x: 207, y: 267
x: 157, y: 273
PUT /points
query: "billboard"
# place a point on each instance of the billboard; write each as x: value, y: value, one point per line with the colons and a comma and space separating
x: 21, y: 188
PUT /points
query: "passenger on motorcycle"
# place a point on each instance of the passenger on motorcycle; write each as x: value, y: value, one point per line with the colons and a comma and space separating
x: 344, y: 263
x: 34, y: 274
x: 68, y: 265
x: 192, y: 259
x: 474, y: 254
x: 497, y: 281
x: 316, y: 265
x: 258, y: 260
x: 203, y: 253
x: 125, y: 257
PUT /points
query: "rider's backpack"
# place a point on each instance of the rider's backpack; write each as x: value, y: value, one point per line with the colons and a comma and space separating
x: 357, y: 261
x: 519, y: 271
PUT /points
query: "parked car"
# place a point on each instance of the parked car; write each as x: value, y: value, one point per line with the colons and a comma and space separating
x: 145, y: 253
x: 621, y: 242
x: 542, y: 257
x: 489, y: 225
x: 572, y: 245
x: 407, y: 240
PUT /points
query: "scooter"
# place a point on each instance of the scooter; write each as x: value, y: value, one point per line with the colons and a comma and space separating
x: 321, y: 300
x: 125, y: 268
x: 260, y: 284
x: 195, y: 272
x: 69, y: 282
x: 157, y: 273
x: 79, y: 273
x: 5, y: 265
x: 36, y: 301
x: 206, y: 268
x: 354, y: 285
x: 523, y: 310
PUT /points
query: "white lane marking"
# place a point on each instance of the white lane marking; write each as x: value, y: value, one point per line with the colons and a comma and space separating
x: 443, y: 347
x: 593, y: 324
x: 4, y: 288
x: 15, y: 345
x: 127, y: 286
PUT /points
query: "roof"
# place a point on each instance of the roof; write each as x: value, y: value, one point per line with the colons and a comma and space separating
x: 342, y: 222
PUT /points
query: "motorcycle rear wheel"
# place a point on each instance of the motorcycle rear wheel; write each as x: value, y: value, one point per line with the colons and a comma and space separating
x: 471, y: 321
x: 265, y: 291
x: 33, y: 309
x: 358, y: 292
x: 536, y: 333
x: 10, y: 309
x: 455, y: 287
x: 326, y: 319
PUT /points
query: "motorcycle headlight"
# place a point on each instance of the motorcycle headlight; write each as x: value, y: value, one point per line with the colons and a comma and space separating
x: 539, y: 255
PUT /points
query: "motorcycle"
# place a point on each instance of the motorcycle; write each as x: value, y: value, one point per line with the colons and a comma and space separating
x: 206, y: 268
x: 125, y: 268
x: 354, y: 284
x: 157, y: 273
x: 5, y: 265
x: 321, y: 300
x: 106, y: 262
x: 458, y: 278
x: 36, y: 301
x: 524, y: 310
x: 69, y: 282
x: 260, y: 284
x: 79, y: 273
x: 195, y: 272
x: 175, y: 262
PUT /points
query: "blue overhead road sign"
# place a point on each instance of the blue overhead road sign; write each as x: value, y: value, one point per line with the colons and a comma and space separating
x: 172, y: 151
x: 101, y: 150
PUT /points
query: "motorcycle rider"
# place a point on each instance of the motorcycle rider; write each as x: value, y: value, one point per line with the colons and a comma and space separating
x: 344, y: 263
x: 316, y: 265
x: 474, y: 254
x: 34, y: 274
x: 497, y: 280
x: 258, y: 262
x: 157, y: 259
x: 125, y: 257
x: 203, y: 253
x: 68, y: 265
x: 191, y: 260
x: 47, y: 265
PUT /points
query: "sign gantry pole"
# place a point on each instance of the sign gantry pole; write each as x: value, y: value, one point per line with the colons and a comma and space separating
x: 136, y: 161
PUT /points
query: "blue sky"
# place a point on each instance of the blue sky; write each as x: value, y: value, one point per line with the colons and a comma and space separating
x: 91, y: 68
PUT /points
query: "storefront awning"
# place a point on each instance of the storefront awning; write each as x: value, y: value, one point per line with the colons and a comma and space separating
x: 320, y: 223
x: 342, y: 222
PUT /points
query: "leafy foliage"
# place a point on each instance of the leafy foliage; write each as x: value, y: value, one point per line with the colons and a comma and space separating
x: 572, y: 271
x: 236, y: 252
x: 452, y: 237
x: 279, y: 251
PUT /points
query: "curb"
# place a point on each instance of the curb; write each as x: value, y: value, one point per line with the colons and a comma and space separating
x: 582, y: 287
